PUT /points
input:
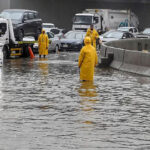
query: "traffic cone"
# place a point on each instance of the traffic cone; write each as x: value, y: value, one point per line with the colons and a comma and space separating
x: 31, y: 53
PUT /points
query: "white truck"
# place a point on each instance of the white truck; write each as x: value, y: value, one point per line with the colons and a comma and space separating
x: 8, y: 44
x: 104, y: 19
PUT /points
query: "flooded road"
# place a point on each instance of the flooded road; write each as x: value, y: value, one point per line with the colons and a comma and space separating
x: 44, y: 106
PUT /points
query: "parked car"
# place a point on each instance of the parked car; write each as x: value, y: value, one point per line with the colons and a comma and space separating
x: 25, y: 22
x: 73, y: 40
x: 116, y: 35
x: 48, y: 26
x: 54, y: 43
x: 58, y: 32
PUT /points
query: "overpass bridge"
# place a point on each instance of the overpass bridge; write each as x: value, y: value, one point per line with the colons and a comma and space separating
x: 61, y: 12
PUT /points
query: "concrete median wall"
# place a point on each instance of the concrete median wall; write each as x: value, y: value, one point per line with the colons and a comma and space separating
x: 127, y: 57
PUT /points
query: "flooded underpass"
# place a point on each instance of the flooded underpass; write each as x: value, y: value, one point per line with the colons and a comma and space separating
x: 44, y: 106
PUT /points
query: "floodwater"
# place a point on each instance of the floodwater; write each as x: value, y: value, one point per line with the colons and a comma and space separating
x: 44, y: 106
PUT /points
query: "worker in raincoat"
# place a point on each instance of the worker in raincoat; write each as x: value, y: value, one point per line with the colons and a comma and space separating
x: 93, y: 34
x: 43, y: 43
x: 87, y: 60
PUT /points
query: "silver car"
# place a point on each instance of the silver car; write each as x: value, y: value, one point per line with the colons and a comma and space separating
x: 115, y: 35
x: 54, y: 43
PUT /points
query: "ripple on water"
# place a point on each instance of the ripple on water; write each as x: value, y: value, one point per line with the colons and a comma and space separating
x: 44, y: 106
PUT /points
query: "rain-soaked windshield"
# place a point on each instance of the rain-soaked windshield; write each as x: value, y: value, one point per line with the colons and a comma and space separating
x: 14, y: 16
x: 87, y: 20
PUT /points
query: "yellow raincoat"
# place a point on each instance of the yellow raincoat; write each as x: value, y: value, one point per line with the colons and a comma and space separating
x: 93, y: 35
x: 43, y: 43
x: 87, y: 60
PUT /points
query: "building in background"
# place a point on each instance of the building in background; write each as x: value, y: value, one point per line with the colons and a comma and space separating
x: 61, y: 12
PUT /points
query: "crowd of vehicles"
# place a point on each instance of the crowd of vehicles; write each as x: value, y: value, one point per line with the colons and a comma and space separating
x: 15, y: 24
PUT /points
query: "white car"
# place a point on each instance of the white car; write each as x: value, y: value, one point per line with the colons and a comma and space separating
x: 54, y: 43
x: 58, y: 32
x: 48, y: 26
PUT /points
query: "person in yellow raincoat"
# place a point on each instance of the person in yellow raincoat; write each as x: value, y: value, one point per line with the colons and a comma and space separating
x: 43, y: 43
x: 87, y: 60
x: 93, y: 34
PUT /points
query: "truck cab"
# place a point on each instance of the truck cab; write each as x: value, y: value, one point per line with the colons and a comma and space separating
x: 82, y: 21
x: 8, y: 44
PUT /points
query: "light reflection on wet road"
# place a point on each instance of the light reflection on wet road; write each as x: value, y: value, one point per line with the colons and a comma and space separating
x: 44, y: 106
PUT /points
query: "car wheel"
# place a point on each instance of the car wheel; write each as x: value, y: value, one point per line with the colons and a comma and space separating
x: 20, y: 35
x: 56, y: 48
x: 6, y: 53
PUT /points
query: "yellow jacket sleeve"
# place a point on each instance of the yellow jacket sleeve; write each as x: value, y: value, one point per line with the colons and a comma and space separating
x: 81, y: 57
x: 96, y: 34
x: 96, y: 59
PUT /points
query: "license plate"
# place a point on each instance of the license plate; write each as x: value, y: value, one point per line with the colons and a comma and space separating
x: 65, y: 45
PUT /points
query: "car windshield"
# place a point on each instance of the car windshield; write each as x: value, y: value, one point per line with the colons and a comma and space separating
x: 55, y: 31
x: 50, y: 35
x: 87, y: 20
x: 146, y: 31
x: 117, y: 35
x: 12, y: 15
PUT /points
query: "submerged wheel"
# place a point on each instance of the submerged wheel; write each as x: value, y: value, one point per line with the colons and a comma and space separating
x: 25, y: 51
x: 6, y: 52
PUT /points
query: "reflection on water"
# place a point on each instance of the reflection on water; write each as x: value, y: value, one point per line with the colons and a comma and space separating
x: 43, y: 66
x: 43, y: 106
x: 89, y: 97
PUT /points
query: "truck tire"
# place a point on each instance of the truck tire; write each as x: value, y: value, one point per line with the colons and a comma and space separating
x: 6, y: 52
x: 25, y: 51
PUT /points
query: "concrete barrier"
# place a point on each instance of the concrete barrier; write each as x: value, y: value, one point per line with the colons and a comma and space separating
x: 118, y: 58
x: 128, y: 55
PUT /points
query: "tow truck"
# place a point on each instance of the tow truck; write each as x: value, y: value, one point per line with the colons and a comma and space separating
x: 8, y: 44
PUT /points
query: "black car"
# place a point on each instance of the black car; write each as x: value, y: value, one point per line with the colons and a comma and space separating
x: 73, y: 40
x: 25, y: 22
